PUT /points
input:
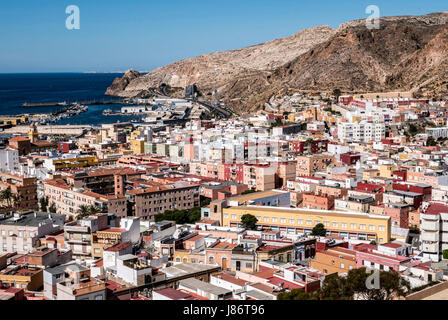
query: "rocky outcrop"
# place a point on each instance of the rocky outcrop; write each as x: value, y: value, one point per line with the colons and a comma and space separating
x: 120, y: 84
x: 406, y: 54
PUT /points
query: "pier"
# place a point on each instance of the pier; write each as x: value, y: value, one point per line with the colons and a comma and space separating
x: 65, y: 103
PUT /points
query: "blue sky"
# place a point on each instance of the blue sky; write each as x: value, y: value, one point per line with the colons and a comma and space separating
x: 145, y: 34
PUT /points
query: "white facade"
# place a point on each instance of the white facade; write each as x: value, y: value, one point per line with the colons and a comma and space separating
x: 437, y: 132
x: 361, y: 132
x: 434, y: 235
x: 9, y: 160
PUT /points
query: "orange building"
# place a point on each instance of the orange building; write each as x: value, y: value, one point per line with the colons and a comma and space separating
x: 319, y: 202
x: 334, y: 260
x: 221, y: 254
x: 308, y: 165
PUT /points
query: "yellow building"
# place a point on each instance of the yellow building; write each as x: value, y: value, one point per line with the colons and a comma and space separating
x: 347, y: 224
x: 73, y: 163
x: 14, y: 120
x: 138, y: 145
x: 370, y: 174
x: 292, y: 117
x: 386, y: 170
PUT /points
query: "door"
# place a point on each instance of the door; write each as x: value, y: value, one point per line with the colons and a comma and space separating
x: 224, y: 263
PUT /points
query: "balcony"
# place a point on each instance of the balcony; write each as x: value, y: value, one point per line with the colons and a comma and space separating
x: 445, y: 226
x: 430, y: 236
x: 431, y: 248
x: 430, y: 225
x: 445, y: 237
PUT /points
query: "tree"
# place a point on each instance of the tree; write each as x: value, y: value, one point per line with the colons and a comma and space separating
x: 6, y: 195
x: 43, y: 204
x: 94, y: 210
x: 431, y: 142
x: 337, y: 93
x: 391, y: 284
x: 52, y: 208
x: 180, y: 216
x: 319, y: 230
x: 249, y: 222
x: 445, y: 254
x: 85, y: 211
x: 413, y: 130
x: 335, y: 287
x: 297, y: 294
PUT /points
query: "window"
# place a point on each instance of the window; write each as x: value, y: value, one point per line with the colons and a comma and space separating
x: 98, y: 297
x: 362, y: 227
x: 342, y: 266
x: 249, y: 265
x: 282, y: 220
x: 327, y: 223
x: 353, y: 225
x: 316, y: 221
x: 299, y: 221
x: 233, y: 216
x: 381, y: 228
x: 274, y: 219
x: 350, y: 267
x: 266, y: 219
x: 335, y: 224
x: 344, y: 225
x: 309, y: 222
x: 372, y: 227
x: 226, y: 215
x: 291, y: 221
x: 3, y: 233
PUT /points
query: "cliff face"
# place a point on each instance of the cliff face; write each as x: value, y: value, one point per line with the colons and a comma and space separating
x: 405, y: 54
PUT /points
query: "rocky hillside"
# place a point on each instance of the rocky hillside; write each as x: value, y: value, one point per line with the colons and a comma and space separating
x: 406, y: 54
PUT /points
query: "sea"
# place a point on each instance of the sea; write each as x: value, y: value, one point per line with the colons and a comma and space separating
x: 18, y: 88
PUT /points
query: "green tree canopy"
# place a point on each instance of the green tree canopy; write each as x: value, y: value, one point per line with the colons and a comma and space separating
x: 52, y: 208
x: 297, y: 294
x: 319, y: 230
x: 249, y: 221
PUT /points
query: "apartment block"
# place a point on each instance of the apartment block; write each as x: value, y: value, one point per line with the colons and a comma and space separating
x: 349, y: 225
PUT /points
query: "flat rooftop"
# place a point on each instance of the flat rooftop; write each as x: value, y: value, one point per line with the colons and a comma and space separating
x: 29, y: 219
x: 195, y: 284
x: 183, y: 269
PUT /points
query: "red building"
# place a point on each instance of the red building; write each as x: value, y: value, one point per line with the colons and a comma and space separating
x: 401, y: 175
x: 350, y: 158
x: 424, y: 189
x: 370, y: 187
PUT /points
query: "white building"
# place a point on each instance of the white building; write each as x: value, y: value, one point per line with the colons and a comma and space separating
x: 434, y: 230
x: 9, y: 160
x: 437, y: 132
x: 361, y: 132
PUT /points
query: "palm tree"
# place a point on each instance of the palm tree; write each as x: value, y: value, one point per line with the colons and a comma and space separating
x: 16, y: 198
x: 6, y: 195
x: 83, y: 211
x: 94, y: 210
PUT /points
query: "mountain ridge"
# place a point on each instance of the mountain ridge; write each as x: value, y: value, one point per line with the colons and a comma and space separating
x: 407, y: 53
